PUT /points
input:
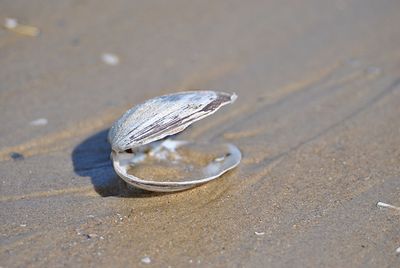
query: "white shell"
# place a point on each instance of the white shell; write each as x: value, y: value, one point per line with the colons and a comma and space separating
x: 164, y: 116
x: 158, y: 118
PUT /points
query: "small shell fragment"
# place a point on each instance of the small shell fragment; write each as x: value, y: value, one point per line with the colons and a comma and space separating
x: 13, y: 25
x: 385, y: 205
x: 139, y: 145
x: 146, y: 260
x: 110, y: 59
x: 39, y: 122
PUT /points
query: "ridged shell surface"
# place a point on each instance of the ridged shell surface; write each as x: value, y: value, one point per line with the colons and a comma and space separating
x: 164, y: 116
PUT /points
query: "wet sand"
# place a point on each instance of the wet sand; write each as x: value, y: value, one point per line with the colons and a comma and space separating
x: 317, y: 121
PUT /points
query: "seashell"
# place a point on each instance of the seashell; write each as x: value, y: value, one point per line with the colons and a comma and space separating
x: 138, y: 141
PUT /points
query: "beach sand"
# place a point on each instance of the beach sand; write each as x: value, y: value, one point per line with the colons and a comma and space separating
x: 317, y: 121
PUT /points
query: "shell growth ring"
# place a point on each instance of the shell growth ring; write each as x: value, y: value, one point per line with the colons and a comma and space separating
x: 141, y: 149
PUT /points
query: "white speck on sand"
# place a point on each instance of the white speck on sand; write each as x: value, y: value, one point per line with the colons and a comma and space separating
x: 259, y: 233
x: 146, y: 260
x: 398, y: 250
x: 10, y: 23
x: 22, y: 225
x: 39, y: 122
x: 110, y: 59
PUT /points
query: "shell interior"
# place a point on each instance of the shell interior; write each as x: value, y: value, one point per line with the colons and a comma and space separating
x: 176, y: 165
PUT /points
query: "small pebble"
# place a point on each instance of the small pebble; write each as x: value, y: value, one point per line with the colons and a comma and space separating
x: 110, y: 59
x: 398, y: 250
x: 146, y: 260
x: 259, y: 233
x: 16, y: 156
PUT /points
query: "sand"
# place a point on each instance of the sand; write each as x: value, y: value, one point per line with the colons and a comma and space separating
x: 317, y: 121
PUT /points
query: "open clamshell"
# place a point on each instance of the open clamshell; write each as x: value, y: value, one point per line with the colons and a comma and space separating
x: 139, y: 147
